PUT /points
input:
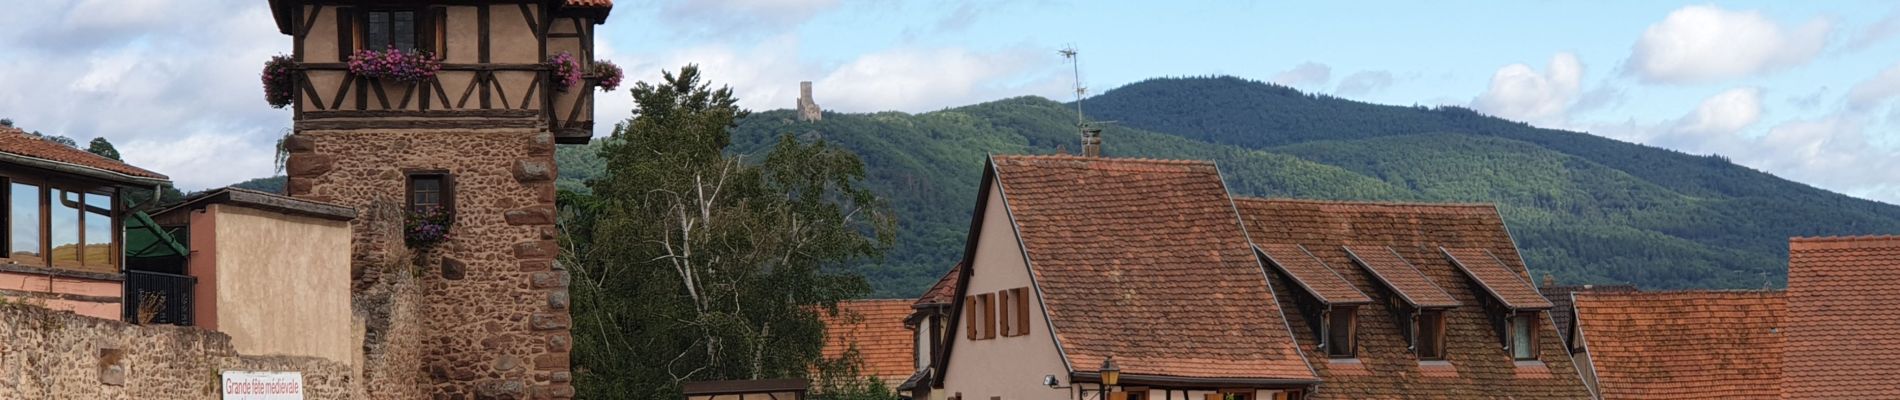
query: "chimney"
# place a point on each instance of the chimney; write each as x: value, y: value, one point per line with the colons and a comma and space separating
x: 1091, y: 141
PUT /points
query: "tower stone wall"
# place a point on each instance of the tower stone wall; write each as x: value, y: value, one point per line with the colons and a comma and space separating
x: 492, y: 320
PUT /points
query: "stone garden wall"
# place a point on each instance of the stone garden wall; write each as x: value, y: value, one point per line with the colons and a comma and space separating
x: 47, y: 354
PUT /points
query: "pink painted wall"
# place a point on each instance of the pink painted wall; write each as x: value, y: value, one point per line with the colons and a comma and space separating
x: 11, y: 282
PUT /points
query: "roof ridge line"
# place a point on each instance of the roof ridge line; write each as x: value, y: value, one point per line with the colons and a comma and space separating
x: 1073, y: 157
x: 1362, y: 202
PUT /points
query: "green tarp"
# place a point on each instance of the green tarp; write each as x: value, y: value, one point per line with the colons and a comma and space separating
x: 145, y: 239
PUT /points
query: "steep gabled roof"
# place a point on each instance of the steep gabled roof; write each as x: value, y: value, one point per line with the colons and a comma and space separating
x: 1145, y: 261
x: 1394, y: 241
x: 876, y: 327
x: 1563, y: 313
x: 1684, y: 345
x: 1842, y: 318
x: 22, y: 148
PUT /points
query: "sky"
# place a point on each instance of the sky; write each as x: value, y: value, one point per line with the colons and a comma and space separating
x: 1804, y: 90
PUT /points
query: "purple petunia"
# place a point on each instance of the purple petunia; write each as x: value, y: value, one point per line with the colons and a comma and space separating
x: 566, y: 69
x: 278, y: 85
x: 395, y: 64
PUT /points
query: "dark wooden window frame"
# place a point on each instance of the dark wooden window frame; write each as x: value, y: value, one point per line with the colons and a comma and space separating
x: 47, y: 186
x: 445, y: 193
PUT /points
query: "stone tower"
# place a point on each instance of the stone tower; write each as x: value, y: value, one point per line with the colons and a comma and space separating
x: 807, y: 108
x: 484, y: 314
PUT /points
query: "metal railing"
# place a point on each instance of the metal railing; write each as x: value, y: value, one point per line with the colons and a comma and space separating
x: 158, y: 298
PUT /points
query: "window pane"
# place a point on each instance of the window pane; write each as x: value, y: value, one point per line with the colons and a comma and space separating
x: 1521, y: 331
x: 99, y: 232
x: 25, y: 199
x: 376, y: 31
x: 425, y: 191
x: 405, y: 30
x: 64, y: 231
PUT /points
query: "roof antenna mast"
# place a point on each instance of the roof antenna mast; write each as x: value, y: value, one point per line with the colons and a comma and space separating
x: 1091, y: 134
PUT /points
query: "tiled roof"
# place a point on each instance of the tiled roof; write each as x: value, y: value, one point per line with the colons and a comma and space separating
x: 1145, y: 261
x: 1561, y: 311
x: 1684, y: 345
x: 1504, y: 283
x: 1476, y: 367
x: 591, y: 3
x: 1385, y: 265
x: 943, y: 291
x: 1842, y: 318
x: 876, y: 327
x: 19, y: 143
x: 1312, y: 274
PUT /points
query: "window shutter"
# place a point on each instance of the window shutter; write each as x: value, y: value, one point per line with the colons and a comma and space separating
x: 969, y: 315
x: 440, y: 23
x: 448, y: 192
x: 344, y: 27
x: 1003, y: 311
x: 425, y: 30
x: 989, y: 316
x: 1022, y: 311
x: 1118, y: 396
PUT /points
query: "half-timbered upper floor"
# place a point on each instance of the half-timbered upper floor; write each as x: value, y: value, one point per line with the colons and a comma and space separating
x: 493, y: 60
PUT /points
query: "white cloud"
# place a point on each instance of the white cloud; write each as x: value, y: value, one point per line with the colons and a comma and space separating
x: 1521, y: 93
x: 1363, y: 83
x: 1725, y: 113
x: 203, y: 160
x: 1307, y: 74
x: 1705, y: 43
x: 1873, y: 91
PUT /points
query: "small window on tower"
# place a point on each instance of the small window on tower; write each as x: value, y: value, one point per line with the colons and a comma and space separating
x: 430, y: 191
x: 386, y: 29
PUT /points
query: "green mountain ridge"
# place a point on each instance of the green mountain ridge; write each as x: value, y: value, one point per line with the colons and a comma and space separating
x: 1583, y: 208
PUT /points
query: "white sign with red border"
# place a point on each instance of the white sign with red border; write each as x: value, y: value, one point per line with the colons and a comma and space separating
x: 247, y: 385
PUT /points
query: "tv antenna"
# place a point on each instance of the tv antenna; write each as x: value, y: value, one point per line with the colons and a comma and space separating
x: 1091, y: 133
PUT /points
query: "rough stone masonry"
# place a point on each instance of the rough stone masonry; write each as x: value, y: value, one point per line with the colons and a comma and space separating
x: 493, y: 313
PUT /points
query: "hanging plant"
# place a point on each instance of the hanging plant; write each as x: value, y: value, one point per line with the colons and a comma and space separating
x: 567, y: 70
x: 608, y: 74
x: 426, y: 227
x: 395, y: 64
x: 277, y: 81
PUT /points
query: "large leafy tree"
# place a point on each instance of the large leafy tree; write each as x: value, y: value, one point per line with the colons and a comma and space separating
x: 103, y: 148
x: 694, y: 264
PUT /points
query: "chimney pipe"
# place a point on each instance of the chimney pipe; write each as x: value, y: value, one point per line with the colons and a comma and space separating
x: 1091, y: 141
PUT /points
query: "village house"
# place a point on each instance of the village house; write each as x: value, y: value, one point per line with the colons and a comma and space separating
x: 1145, y: 278
x: 1401, y: 299
x: 1746, y: 344
x: 875, y: 329
x: 66, y: 212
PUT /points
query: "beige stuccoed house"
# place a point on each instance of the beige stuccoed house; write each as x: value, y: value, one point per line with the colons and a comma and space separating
x: 1076, y: 261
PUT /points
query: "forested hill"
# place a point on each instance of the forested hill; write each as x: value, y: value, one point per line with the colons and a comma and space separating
x: 1583, y: 208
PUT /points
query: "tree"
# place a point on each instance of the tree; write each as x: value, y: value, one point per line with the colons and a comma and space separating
x: 693, y: 264
x: 69, y: 142
x: 103, y: 148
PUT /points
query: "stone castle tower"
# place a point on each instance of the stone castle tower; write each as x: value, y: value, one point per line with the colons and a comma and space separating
x: 484, y: 314
x: 807, y: 108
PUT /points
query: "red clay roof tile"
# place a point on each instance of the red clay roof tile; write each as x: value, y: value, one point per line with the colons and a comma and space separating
x: 1506, y: 285
x: 1121, y: 243
x: 1313, y: 275
x: 1400, y: 276
x: 943, y: 291
x: 1684, y: 345
x: 16, y: 142
x: 1476, y: 366
x: 1841, y: 318
x: 876, y: 327
x: 590, y: 3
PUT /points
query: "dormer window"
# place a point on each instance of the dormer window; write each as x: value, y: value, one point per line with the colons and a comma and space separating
x: 1431, y: 335
x: 1524, y: 336
x: 1341, y: 332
